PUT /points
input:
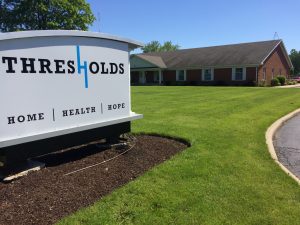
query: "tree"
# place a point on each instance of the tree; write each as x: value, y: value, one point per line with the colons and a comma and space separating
x: 18, y: 15
x: 155, y: 46
x: 295, y: 58
x: 168, y: 46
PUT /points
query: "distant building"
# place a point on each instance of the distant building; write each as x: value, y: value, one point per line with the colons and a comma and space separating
x: 238, y: 64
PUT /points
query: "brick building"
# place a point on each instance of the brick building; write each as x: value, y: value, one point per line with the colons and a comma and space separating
x: 237, y: 64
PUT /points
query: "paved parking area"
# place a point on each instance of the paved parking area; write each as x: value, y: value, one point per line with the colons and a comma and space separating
x: 287, y: 145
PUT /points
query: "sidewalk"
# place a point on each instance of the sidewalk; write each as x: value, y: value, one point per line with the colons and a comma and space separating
x: 289, y: 86
x: 287, y: 144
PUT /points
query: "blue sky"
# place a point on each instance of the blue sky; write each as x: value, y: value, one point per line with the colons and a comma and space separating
x: 199, y: 23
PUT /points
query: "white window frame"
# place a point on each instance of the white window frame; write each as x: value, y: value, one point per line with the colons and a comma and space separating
x: 177, y: 75
x: 233, y: 76
x: 211, y: 72
x: 264, y: 75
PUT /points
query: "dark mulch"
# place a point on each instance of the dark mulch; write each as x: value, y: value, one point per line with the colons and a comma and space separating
x: 46, y: 196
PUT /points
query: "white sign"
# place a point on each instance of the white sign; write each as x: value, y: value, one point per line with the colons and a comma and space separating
x: 59, y: 82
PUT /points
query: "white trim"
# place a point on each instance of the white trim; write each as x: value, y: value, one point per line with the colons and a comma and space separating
x: 195, y: 68
x: 233, y: 75
x: 211, y: 72
x: 145, y: 69
x: 177, y: 75
x: 287, y: 55
x: 263, y: 61
x: 264, y: 75
x: 73, y: 33
x: 160, y: 76
x: 214, y: 67
x: 156, y: 76
x: 284, y: 52
x: 244, y: 73
x: 142, y: 77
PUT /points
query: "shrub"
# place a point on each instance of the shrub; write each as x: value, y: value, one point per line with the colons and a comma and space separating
x: 281, y: 80
x: 275, y: 82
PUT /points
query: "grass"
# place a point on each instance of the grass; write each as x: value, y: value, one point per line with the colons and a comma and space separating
x: 226, y: 177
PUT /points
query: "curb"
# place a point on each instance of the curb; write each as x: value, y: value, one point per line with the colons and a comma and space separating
x: 269, y: 140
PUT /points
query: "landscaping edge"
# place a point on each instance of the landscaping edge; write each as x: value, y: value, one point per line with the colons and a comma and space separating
x: 269, y: 140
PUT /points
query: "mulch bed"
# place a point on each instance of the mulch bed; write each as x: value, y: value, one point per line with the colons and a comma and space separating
x: 48, y: 195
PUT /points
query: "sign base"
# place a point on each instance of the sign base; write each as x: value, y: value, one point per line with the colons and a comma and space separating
x: 20, y: 170
x: 12, y: 155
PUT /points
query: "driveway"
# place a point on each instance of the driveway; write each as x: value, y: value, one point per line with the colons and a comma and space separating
x: 287, y: 144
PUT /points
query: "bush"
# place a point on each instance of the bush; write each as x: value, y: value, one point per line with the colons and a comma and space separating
x: 275, y: 82
x: 291, y: 82
x: 281, y: 80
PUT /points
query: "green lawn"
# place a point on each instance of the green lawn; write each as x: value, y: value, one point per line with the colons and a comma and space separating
x: 226, y: 177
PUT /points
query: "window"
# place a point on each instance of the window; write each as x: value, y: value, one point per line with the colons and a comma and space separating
x: 180, y: 75
x: 273, y: 71
x: 238, y: 73
x: 207, y: 74
x: 264, y: 73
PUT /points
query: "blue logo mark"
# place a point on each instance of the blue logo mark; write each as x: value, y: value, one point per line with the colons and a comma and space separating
x: 82, y: 67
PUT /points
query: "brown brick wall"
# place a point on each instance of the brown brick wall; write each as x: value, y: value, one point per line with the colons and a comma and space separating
x: 251, y: 73
x: 193, y: 75
x: 277, y: 61
x: 169, y: 75
x: 222, y: 74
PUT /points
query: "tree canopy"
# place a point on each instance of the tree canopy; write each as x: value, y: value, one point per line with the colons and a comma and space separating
x: 155, y: 46
x: 295, y: 58
x: 18, y: 15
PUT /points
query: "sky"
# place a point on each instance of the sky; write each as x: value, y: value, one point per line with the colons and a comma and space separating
x: 199, y: 23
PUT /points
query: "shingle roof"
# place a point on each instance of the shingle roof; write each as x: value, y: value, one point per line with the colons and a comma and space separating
x: 252, y: 53
x: 155, y: 60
